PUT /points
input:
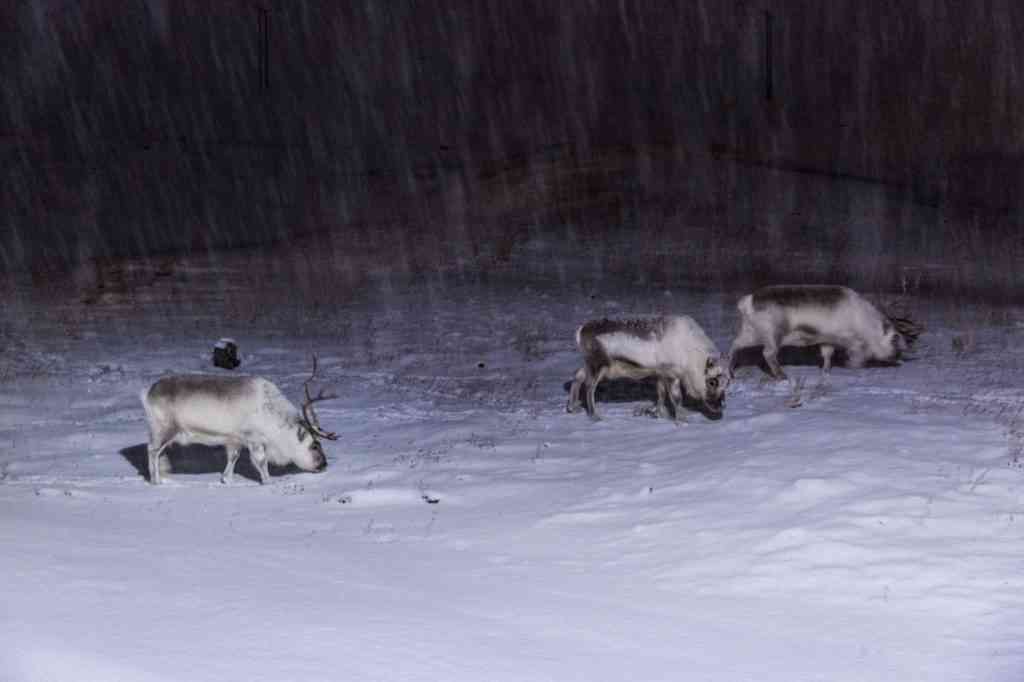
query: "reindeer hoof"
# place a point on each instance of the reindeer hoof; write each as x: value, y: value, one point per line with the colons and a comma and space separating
x: 645, y: 412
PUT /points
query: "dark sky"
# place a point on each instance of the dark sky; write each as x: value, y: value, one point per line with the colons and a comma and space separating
x: 145, y: 126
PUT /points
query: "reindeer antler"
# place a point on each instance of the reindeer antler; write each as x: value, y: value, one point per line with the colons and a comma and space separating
x: 907, y: 327
x: 310, y: 419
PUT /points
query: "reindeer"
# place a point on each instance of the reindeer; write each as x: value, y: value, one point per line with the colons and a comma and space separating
x: 673, y: 349
x: 806, y: 315
x: 236, y: 412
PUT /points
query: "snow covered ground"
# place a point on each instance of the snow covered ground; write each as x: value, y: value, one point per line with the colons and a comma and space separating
x: 467, y: 528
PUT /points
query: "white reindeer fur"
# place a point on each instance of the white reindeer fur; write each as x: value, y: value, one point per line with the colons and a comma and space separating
x: 675, y: 349
x: 827, y: 315
x: 235, y: 412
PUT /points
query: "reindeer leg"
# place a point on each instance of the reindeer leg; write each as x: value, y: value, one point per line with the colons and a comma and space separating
x: 591, y: 393
x: 154, y: 464
x: 675, y: 394
x: 826, y: 357
x: 154, y: 453
x: 745, y: 339
x: 659, y: 404
x: 579, y: 379
x: 770, y: 354
x: 258, y: 455
x: 732, y: 361
x: 229, y: 471
x: 857, y: 355
x: 660, y: 408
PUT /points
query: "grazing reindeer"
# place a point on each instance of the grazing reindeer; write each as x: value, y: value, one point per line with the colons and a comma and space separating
x: 805, y: 315
x: 673, y: 349
x: 236, y: 412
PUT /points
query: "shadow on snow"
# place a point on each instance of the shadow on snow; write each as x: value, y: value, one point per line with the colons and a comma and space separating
x: 644, y: 390
x: 199, y: 459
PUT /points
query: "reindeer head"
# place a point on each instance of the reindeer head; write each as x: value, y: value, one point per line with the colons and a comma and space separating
x: 716, y: 379
x: 892, y: 343
x: 310, y: 432
x: 899, y: 333
x: 898, y: 336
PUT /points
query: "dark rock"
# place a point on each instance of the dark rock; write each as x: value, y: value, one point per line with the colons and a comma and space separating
x: 225, y: 354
